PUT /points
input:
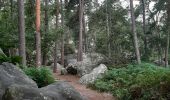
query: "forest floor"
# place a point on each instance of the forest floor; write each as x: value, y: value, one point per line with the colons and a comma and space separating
x: 84, y: 91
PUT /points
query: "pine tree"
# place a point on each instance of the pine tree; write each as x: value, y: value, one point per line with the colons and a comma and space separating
x: 55, y: 48
x: 38, y: 37
x: 80, y: 46
x: 135, y: 39
x: 21, y: 26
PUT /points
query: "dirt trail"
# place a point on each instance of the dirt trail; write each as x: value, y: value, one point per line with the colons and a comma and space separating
x: 90, y: 94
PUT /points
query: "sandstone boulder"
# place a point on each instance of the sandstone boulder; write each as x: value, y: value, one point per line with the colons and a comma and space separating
x: 97, y: 72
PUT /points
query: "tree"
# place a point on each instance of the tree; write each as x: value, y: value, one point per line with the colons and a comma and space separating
x: 134, y: 33
x: 55, y: 48
x: 38, y: 37
x: 62, y: 41
x: 21, y: 26
x: 108, y: 27
x: 168, y: 33
x: 46, y: 25
x: 84, y: 34
x: 80, y: 46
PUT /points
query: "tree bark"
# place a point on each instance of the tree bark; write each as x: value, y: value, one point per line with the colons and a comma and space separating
x: 21, y: 26
x: 55, y: 58
x: 55, y: 48
x: 108, y: 30
x: 80, y: 46
x: 45, y: 51
x: 84, y: 34
x: 168, y: 34
x: 62, y: 41
x: 38, y: 37
x: 134, y: 33
x: 167, y: 51
x: 62, y: 51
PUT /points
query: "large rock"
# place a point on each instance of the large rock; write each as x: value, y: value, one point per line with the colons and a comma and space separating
x: 159, y: 62
x: 90, y: 61
x: 88, y: 57
x: 10, y: 74
x: 15, y: 85
x: 61, y: 91
x: 72, y: 61
x: 95, y: 58
x: 80, y: 68
x: 96, y: 73
x: 56, y: 91
x: 24, y: 92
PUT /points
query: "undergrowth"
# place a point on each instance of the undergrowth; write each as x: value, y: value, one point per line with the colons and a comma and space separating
x: 136, y: 82
x: 42, y: 76
x: 11, y: 59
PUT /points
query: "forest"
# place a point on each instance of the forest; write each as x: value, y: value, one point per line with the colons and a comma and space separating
x: 114, y: 47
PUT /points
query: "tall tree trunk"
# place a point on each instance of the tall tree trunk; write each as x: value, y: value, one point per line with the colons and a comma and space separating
x: 66, y: 3
x: 159, y: 48
x: 144, y: 30
x: 62, y: 41
x: 84, y: 34
x: 22, y: 51
x: 55, y: 57
x: 80, y: 46
x: 55, y: 48
x: 168, y: 33
x: 134, y: 33
x: 167, y: 51
x: 44, y: 62
x: 38, y: 37
x: 108, y: 29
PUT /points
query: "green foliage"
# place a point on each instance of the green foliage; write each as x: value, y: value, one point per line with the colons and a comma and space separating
x: 12, y: 59
x: 42, y: 76
x: 119, y: 35
x: 141, y: 82
x: 4, y: 59
x: 16, y: 59
x: 8, y: 26
x: 53, y: 35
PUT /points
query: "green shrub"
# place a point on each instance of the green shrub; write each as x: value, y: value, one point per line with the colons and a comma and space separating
x: 16, y: 59
x: 4, y: 59
x: 141, y: 82
x: 42, y: 76
x: 12, y: 59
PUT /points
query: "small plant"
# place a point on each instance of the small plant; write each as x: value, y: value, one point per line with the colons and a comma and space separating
x: 42, y: 76
x: 4, y: 58
x: 16, y: 59
x: 12, y: 59
x: 136, y: 82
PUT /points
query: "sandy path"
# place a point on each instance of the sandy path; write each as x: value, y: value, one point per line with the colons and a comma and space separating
x: 90, y: 94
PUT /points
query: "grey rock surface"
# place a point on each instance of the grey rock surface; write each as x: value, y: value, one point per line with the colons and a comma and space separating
x: 10, y: 74
x: 97, y: 72
x: 61, y: 91
x: 90, y: 61
x: 15, y: 85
